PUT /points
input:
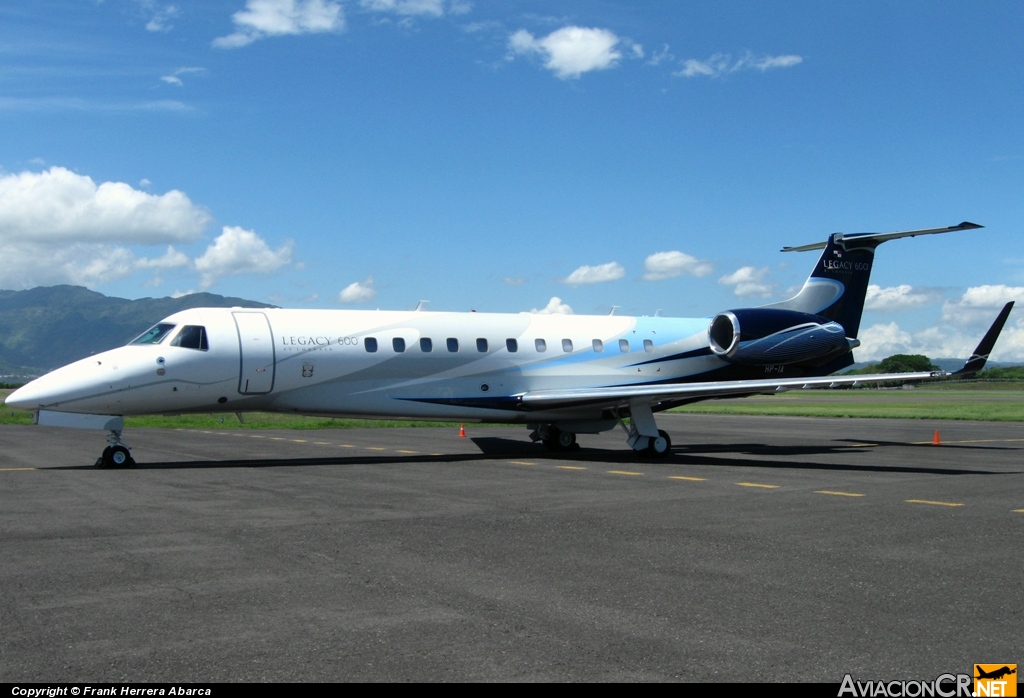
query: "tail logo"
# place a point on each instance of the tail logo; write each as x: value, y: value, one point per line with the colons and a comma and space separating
x: 839, y: 265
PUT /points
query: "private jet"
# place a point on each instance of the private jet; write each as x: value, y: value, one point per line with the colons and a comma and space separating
x: 560, y: 375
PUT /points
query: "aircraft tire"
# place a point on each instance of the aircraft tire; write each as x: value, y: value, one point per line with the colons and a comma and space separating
x: 116, y: 457
x: 661, y: 446
x: 566, y: 440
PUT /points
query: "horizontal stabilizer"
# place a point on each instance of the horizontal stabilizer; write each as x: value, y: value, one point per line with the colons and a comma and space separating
x: 980, y: 355
x: 879, y: 238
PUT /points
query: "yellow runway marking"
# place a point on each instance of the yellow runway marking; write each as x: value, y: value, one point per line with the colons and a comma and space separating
x: 863, y: 445
x: 347, y: 446
x: 521, y: 462
x: 756, y: 484
x: 838, y: 494
x: 1016, y: 511
x: 277, y: 438
x: 300, y: 441
x: 938, y: 504
x: 623, y: 472
x: 404, y: 450
x: 684, y: 477
x: 375, y: 448
x: 10, y: 469
x: 322, y: 443
x: 570, y: 467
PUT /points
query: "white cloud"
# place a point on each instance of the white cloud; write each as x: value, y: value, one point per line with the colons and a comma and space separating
x: 723, y: 64
x: 58, y: 227
x: 881, y: 341
x: 170, y: 260
x: 748, y: 281
x: 555, y: 306
x: 897, y: 298
x: 358, y: 292
x: 668, y: 265
x: 161, y: 21
x: 174, y: 79
x: 238, y: 251
x: 263, y: 18
x: 595, y: 275
x: 944, y: 342
x: 570, y: 51
x: 979, y: 305
x: 58, y: 205
x: 431, y: 8
x: 661, y: 55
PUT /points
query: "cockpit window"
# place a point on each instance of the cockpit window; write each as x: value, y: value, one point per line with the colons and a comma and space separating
x: 191, y: 337
x: 155, y: 334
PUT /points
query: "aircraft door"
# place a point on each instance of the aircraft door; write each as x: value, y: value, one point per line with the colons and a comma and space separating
x: 256, y: 342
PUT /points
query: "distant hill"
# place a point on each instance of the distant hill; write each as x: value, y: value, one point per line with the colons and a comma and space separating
x: 49, y: 326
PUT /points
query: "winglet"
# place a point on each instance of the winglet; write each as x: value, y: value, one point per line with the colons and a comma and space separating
x: 980, y: 355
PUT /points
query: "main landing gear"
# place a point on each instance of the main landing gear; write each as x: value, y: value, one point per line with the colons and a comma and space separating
x: 555, y: 439
x: 117, y: 454
x: 642, y: 434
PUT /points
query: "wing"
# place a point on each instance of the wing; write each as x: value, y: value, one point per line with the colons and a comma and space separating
x: 622, y: 396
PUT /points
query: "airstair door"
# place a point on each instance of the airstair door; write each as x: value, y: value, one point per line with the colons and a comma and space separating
x: 256, y: 342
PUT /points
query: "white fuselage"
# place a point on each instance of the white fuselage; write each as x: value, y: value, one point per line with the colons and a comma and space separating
x: 457, y: 366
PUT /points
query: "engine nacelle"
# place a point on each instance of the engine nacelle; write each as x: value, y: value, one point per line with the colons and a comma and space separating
x: 759, y: 336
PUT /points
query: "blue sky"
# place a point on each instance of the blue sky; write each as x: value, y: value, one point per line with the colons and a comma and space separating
x: 511, y: 156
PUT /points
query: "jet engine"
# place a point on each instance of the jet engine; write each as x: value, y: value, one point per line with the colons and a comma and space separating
x: 760, y: 336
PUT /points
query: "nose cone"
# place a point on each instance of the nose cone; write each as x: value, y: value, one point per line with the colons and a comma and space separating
x: 67, y: 388
x: 49, y: 391
x: 25, y: 397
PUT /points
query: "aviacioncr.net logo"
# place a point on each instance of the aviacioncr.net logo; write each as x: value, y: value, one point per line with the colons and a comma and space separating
x: 945, y: 686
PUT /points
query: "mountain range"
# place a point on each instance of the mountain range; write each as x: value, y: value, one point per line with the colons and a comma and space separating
x: 46, y: 327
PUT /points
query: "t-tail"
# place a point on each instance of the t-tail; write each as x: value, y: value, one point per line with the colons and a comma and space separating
x: 838, y: 285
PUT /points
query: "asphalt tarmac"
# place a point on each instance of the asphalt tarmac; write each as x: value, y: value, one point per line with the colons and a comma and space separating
x: 762, y: 549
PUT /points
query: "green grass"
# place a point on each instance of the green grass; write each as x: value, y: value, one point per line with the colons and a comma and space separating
x: 967, y: 401
x: 998, y: 402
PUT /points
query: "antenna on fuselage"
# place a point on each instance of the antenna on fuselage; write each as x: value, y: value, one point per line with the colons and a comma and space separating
x: 612, y: 311
x: 422, y: 305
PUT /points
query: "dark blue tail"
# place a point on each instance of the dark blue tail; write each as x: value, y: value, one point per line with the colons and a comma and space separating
x: 838, y: 285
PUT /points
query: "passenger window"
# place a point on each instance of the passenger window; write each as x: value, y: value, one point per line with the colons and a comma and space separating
x: 191, y: 337
x: 541, y: 345
x: 512, y: 345
x: 648, y: 346
x: 624, y: 346
x: 398, y: 344
x: 370, y: 343
x: 598, y: 346
x: 426, y: 346
x: 567, y: 346
x: 155, y: 334
x: 481, y: 346
x: 453, y: 344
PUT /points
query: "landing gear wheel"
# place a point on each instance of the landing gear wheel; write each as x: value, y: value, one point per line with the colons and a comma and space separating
x: 558, y: 440
x: 116, y: 457
x: 660, y: 446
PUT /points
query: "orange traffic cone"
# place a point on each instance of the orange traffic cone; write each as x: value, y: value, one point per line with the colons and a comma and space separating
x: 462, y: 431
x: 935, y: 439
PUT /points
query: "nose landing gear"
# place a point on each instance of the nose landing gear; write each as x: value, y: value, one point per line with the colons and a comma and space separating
x: 117, y: 454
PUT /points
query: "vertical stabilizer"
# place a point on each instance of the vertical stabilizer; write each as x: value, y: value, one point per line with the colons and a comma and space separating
x: 838, y: 284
